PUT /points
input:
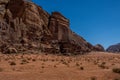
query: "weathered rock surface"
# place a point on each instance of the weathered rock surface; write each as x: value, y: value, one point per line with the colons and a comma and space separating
x: 99, y: 47
x: 114, y: 48
x: 24, y: 26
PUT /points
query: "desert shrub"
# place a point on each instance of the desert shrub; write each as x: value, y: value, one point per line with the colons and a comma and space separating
x: 95, y: 62
x: 64, y: 62
x: 81, y: 68
x: 93, y: 78
x: 112, y: 64
x: 29, y: 58
x: 116, y: 70
x: 12, y: 63
x: 42, y: 67
x: 1, y: 69
x: 117, y: 79
x: 24, y: 61
x: 102, y: 65
x: 77, y: 64
x: 33, y: 59
x: 52, y: 60
x: 55, y: 66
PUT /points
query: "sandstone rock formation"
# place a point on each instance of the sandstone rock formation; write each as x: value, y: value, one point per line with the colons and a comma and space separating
x: 99, y: 47
x: 26, y: 27
x: 114, y: 48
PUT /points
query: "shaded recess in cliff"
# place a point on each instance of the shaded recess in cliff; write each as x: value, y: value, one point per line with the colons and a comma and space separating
x: 26, y: 27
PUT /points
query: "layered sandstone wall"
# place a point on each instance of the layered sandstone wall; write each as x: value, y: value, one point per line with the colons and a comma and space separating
x: 24, y: 26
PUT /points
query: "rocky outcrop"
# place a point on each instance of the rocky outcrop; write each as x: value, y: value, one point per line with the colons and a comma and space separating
x: 114, y: 48
x: 59, y: 27
x: 26, y: 27
x: 3, y: 4
x: 99, y: 47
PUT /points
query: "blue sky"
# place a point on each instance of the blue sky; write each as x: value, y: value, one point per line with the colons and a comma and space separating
x: 98, y: 21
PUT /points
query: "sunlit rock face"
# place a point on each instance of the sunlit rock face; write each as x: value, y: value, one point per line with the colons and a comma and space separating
x: 114, y: 48
x: 26, y: 27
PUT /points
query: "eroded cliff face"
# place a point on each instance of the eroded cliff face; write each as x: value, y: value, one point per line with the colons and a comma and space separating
x: 26, y: 27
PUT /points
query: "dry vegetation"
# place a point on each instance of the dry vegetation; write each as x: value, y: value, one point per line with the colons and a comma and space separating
x: 93, y: 66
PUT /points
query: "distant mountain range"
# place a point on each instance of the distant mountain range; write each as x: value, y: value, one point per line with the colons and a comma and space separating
x: 114, y: 48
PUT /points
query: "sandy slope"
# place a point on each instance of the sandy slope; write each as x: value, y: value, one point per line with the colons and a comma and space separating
x: 52, y: 67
